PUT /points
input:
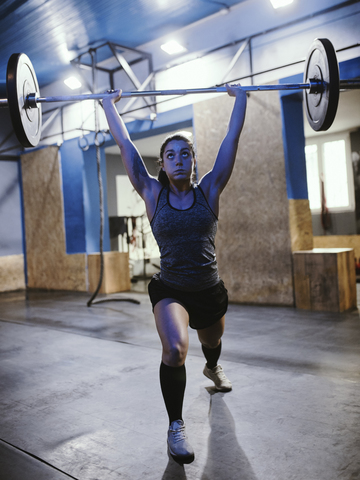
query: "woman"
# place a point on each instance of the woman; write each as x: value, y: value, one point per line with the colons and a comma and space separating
x: 188, y: 289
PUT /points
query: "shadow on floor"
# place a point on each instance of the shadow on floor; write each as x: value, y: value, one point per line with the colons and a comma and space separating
x: 174, y: 471
x: 225, y: 458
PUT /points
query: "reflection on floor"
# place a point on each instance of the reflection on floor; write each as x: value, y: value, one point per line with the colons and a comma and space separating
x: 80, y: 397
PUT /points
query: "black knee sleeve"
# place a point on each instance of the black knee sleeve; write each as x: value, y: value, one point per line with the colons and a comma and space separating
x: 173, y: 382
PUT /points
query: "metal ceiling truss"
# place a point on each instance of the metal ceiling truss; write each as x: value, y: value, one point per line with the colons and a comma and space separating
x: 94, y: 60
x: 99, y: 56
x: 235, y: 59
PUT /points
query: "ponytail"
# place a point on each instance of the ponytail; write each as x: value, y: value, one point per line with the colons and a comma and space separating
x: 163, y: 178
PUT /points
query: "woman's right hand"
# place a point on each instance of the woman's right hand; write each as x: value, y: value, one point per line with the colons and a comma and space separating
x: 112, y: 96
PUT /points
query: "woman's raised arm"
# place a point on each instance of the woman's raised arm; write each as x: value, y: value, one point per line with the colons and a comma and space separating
x: 214, y: 182
x: 140, y: 178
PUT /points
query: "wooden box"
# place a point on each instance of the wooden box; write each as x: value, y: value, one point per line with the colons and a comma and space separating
x: 325, y: 279
x: 116, y: 276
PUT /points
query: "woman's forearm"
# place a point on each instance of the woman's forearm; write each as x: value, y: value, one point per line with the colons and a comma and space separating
x: 116, y: 124
x: 131, y: 158
x: 237, y: 117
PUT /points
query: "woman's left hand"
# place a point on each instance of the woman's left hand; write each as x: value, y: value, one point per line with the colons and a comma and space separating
x: 234, y: 90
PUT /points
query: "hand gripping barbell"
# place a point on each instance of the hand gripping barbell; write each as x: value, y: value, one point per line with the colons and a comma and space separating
x: 321, y: 92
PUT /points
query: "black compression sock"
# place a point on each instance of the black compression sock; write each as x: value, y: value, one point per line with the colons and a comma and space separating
x: 173, y: 382
x: 212, y: 355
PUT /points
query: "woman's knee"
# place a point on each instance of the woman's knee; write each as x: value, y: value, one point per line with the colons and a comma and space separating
x: 174, y: 355
x: 210, y: 343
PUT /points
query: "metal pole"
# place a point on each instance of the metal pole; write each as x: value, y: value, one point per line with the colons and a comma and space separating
x: 350, y: 84
x: 155, y: 93
x: 32, y: 100
x: 101, y: 189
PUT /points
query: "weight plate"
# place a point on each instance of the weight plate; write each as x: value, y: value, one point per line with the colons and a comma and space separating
x: 321, y: 64
x: 20, y: 81
x: 3, y: 92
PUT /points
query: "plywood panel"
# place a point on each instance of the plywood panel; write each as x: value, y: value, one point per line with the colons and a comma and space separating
x: 301, y: 284
x: 48, y: 265
x: 339, y: 241
x: 12, y: 276
x: 347, y: 280
x: 324, y: 279
x: 253, y: 241
x: 300, y: 225
x: 324, y: 289
x: 116, y: 276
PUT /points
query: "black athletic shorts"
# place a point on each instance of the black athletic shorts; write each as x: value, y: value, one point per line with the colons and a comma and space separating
x: 205, y: 307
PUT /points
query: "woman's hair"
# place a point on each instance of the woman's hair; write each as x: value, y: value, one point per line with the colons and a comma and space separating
x: 186, y: 137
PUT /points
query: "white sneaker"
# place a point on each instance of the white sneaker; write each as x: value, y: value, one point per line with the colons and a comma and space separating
x: 179, y: 447
x: 217, y: 375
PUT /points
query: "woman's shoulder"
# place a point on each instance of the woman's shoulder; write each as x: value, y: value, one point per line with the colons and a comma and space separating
x: 152, y: 197
x: 210, y: 195
x: 203, y: 188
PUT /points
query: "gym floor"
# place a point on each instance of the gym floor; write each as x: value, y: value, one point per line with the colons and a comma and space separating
x: 80, y: 395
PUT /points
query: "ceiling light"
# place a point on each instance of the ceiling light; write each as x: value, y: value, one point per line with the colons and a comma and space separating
x: 72, y: 83
x: 280, y: 3
x: 172, y: 47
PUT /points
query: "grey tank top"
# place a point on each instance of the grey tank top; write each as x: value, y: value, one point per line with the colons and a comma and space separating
x: 186, y: 240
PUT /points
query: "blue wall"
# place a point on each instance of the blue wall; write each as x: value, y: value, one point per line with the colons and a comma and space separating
x: 81, y: 198
x: 294, y: 141
x: 72, y: 164
x: 350, y: 69
x: 172, y: 120
x: 92, y: 202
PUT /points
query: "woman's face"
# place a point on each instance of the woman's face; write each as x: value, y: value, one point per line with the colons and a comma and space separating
x: 178, y: 162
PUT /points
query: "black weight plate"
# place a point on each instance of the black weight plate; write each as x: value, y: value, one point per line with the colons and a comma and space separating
x: 3, y: 92
x: 321, y: 64
x: 20, y: 81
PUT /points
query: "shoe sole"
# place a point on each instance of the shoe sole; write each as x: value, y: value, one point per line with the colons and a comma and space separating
x: 181, y: 460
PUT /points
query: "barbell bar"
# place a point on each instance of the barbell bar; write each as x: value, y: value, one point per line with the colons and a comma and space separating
x: 33, y: 100
x: 321, y: 89
x: 313, y: 86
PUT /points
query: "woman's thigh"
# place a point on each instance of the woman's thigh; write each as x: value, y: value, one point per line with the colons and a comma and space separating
x: 172, y: 322
x: 210, y: 336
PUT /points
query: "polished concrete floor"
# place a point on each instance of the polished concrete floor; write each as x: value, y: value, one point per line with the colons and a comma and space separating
x: 80, y: 397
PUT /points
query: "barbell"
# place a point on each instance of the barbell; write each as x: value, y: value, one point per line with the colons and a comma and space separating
x: 321, y: 89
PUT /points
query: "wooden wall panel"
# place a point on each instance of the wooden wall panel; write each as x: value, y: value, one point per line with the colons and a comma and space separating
x: 300, y: 225
x: 12, y: 276
x: 48, y: 265
x: 253, y: 241
x: 338, y: 241
x: 116, y: 276
x: 347, y: 280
